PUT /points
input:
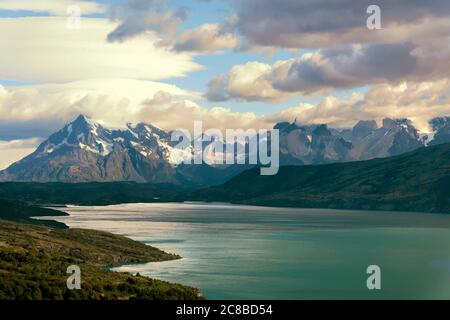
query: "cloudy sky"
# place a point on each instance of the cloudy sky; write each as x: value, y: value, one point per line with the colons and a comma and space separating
x: 230, y: 63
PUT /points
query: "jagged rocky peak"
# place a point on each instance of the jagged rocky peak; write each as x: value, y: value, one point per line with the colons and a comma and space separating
x: 87, y: 126
x: 322, y: 130
x: 84, y: 150
x: 363, y: 128
x: 84, y: 122
x: 287, y: 127
x: 393, y: 123
x: 403, y: 125
x: 440, y: 122
x: 282, y: 125
x: 81, y: 133
x: 441, y: 130
x: 147, y: 130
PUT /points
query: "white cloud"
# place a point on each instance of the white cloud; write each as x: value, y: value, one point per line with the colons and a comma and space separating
x: 170, y: 113
x: 113, y: 101
x: 419, y: 102
x: 250, y: 81
x: 206, y: 38
x: 107, y: 103
x: 56, y: 7
x: 42, y: 49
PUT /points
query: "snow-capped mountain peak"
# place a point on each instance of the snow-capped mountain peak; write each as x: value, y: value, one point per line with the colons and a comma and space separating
x: 82, y: 133
x: 84, y: 150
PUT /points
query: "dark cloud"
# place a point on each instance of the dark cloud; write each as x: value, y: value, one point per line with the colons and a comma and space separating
x: 331, y: 69
x: 346, y: 68
x: 302, y: 23
x: 217, y: 89
x: 139, y: 16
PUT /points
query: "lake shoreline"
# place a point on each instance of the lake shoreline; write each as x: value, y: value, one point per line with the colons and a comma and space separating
x: 58, y: 207
x: 234, y: 251
x: 42, y: 250
x: 111, y: 267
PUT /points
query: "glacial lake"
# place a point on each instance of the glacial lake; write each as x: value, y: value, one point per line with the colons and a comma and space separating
x: 246, y: 252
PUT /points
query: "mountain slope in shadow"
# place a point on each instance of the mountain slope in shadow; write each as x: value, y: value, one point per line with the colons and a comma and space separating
x: 416, y: 181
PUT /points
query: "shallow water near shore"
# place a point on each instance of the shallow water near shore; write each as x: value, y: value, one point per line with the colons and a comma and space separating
x: 246, y: 252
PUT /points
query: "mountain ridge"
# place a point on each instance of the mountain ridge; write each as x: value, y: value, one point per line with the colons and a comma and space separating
x: 86, y: 151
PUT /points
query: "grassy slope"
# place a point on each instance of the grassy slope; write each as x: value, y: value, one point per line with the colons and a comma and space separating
x: 34, y: 260
x: 417, y: 181
x: 34, y: 256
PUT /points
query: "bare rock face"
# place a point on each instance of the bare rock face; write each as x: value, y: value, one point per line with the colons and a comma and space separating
x: 441, y: 130
x: 393, y: 138
x: 364, y: 128
x: 313, y: 144
x: 318, y: 144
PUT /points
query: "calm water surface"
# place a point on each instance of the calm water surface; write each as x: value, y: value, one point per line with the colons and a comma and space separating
x: 244, y: 252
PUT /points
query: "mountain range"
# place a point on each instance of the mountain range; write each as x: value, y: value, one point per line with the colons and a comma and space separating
x: 414, y: 181
x: 86, y: 151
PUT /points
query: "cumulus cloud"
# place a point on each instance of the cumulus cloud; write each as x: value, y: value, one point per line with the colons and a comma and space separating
x: 419, y: 102
x: 112, y: 103
x: 325, y: 23
x: 206, y: 38
x: 170, y: 107
x: 140, y: 16
x: 331, y: 69
x: 297, y: 24
x: 42, y: 49
x: 31, y: 111
x: 250, y: 81
x: 54, y: 7
x: 171, y: 114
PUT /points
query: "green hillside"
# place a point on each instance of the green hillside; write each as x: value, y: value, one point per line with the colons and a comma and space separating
x: 34, y: 260
x: 95, y: 193
x: 416, y: 181
x: 22, y: 212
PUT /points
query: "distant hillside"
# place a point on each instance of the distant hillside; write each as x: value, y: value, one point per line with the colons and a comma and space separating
x: 94, y: 193
x: 416, y: 181
x: 22, y: 212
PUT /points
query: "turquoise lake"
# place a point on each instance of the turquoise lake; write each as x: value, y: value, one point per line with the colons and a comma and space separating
x: 246, y: 252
